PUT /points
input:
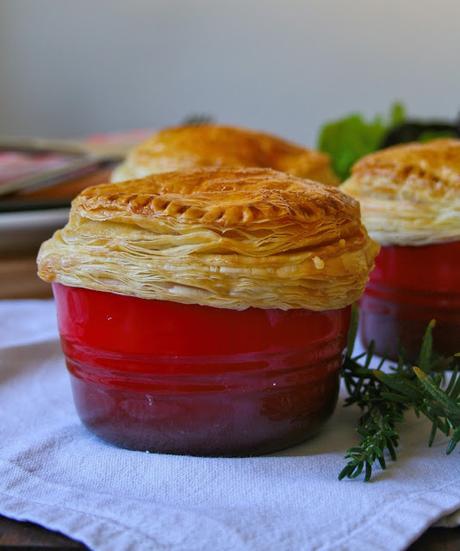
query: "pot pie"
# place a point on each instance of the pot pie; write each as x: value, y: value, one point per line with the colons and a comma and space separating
x: 410, y: 200
x: 410, y: 194
x: 188, y: 147
x: 227, y: 238
x: 205, y: 312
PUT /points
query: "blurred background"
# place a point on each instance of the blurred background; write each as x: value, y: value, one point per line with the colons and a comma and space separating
x: 69, y: 69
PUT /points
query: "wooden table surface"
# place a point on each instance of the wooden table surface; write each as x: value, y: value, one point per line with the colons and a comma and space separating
x: 18, y: 280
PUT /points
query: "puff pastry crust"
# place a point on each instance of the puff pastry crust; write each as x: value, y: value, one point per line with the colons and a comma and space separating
x: 410, y: 194
x: 188, y: 147
x: 229, y: 238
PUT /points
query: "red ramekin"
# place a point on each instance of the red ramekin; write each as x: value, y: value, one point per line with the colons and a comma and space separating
x: 175, y: 378
x: 409, y: 287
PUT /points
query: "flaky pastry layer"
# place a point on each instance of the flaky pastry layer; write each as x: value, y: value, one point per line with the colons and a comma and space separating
x: 188, y: 147
x: 410, y: 194
x: 229, y: 238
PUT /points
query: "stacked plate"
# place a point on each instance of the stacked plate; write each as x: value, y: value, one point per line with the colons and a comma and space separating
x: 39, y: 178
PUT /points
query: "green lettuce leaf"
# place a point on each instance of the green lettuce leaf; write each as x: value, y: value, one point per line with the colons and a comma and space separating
x: 347, y: 140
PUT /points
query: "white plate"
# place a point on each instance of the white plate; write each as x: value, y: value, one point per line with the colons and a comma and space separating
x: 25, y: 230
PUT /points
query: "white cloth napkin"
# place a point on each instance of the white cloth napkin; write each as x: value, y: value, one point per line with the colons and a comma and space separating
x: 55, y: 473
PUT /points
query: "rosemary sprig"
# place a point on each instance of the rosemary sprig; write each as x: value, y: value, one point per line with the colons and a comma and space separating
x: 385, y: 396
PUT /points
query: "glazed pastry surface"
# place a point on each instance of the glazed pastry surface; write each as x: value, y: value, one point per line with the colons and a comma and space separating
x: 410, y: 194
x: 188, y: 147
x: 230, y: 238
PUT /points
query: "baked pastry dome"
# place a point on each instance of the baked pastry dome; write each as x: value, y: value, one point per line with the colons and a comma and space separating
x: 229, y: 238
x: 188, y: 147
x: 410, y: 194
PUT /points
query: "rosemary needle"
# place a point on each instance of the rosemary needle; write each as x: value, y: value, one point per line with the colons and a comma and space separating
x: 384, y: 398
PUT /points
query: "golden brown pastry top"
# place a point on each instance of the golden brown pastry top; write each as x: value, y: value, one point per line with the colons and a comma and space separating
x: 188, y: 147
x: 230, y: 238
x: 410, y: 194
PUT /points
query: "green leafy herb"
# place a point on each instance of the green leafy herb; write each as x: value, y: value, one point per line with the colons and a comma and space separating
x: 384, y: 398
x: 429, y: 135
x: 348, y: 139
x: 197, y: 119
